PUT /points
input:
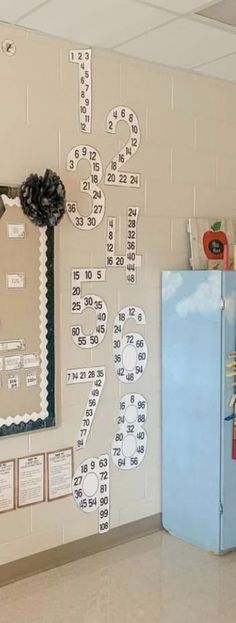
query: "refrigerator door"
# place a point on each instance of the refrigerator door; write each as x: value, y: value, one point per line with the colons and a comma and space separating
x: 228, y: 479
x: 191, y: 355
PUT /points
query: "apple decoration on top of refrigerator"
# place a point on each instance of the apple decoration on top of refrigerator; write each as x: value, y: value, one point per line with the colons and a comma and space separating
x: 208, y: 236
x: 213, y: 242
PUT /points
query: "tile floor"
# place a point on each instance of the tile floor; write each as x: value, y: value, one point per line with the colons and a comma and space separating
x: 155, y: 579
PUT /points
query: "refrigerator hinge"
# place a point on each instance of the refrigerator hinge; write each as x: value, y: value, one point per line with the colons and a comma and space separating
x: 221, y: 508
x: 222, y: 303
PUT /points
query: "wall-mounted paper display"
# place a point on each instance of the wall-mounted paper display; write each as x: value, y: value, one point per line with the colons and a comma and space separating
x: 31, y: 380
x: 113, y: 176
x: 90, y: 186
x: 16, y: 280
x: 90, y: 301
x: 8, y: 345
x: 12, y: 363
x: 31, y: 480
x: 17, y: 362
x: 97, y: 377
x: 131, y: 245
x: 31, y: 361
x: 13, y: 382
x: 60, y: 472
x: 7, y: 486
x: 91, y: 489
x: 131, y: 260
x: 130, y: 351
x: 16, y: 231
x: 130, y: 443
x: 83, y: 59
x: 26, y: 285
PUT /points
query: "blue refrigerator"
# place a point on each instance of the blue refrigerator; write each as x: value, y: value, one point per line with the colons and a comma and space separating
x: 198, y: 387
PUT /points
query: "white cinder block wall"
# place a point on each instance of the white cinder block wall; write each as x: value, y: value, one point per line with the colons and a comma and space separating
x: 187, y: 160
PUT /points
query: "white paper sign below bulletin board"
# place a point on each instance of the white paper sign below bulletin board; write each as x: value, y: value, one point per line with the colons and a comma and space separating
x: 26, y: 320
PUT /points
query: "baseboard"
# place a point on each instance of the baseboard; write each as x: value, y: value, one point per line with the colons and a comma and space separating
x: 63, y: 554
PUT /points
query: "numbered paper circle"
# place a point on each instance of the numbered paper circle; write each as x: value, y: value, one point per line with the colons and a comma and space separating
x: 85, y: 485
x: 131, y: 414
x: 130, y: 442
x: 90, y: 484
x: 129, y: 357
x: 129, y: 446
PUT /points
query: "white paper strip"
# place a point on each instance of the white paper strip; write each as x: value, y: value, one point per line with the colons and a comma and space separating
x: 83, y: 59
x: 104, y: 493
x: 96, y: 376
x: 110, y: 243
x: 131, y: 257
x: 131, y: 261
x: 88, y: 274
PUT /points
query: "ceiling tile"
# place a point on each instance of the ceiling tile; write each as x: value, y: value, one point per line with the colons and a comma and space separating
x: 224, y: 11
x: 181, y: 43
x: 224, y: 68
x: 181, y: 6
x: 105, y: 23
x: 10, y: 11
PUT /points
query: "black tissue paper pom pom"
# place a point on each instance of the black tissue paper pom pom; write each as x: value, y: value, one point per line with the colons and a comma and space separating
x: 43, y: 198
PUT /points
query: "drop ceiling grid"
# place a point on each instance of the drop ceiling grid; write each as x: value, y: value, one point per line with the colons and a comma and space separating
x: 223, y: 12
x: 223, y: 68
x: 182, y: 43
x: 167, y: 32
x: 11, y: 11
x: 180, y: 6
x: 102, y: 23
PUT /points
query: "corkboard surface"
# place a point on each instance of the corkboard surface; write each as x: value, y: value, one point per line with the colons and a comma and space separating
x: 26, y: 317
x: 20, y: 310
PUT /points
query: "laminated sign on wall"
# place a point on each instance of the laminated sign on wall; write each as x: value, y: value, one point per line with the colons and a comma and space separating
x: 26, y: 320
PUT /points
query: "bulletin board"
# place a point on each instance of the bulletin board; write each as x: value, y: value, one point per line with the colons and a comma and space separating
x: 26, y: 320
